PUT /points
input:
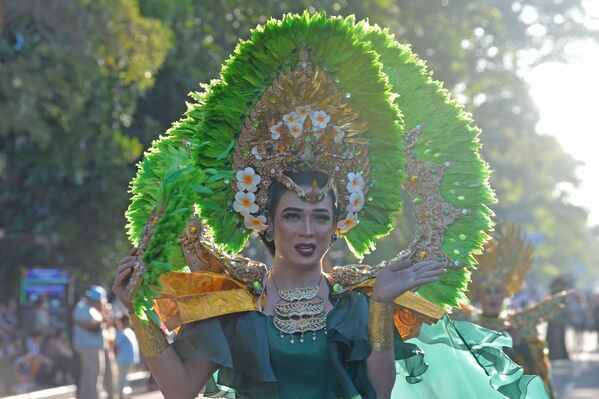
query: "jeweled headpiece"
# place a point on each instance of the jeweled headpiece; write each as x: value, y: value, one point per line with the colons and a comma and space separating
x: 302, y: 123
x: 504, y: 263
x: 328, y: 94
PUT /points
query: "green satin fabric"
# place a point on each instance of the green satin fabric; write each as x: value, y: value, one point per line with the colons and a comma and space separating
x: 448, y: 360
x: 302, y: 368
x: 467, y: 361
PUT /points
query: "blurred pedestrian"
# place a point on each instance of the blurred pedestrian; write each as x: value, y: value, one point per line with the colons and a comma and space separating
x: 40, y: 321
x: 556, y: 327
x: 127, y: 353
x: 56, y: 347
x: 109, y: 360
x: 88, y: 341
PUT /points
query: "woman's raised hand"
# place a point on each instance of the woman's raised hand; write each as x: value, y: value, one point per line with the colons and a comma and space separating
x: 123, y: 274
x: 402, y: 276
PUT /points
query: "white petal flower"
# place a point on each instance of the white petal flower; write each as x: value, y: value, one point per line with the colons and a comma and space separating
x: 350, y: 221
x: 303, y: 111
x: 257, y: 223
x: 276, y: 131
x: 320, y: 120
x: 247, y: 179
x: 291, y: 118
x: 295, y: 129
x: 355, y: 182
x: 244, y: 203
x: 356, y: 202
x: 256, y: 153
x: 338, y: 135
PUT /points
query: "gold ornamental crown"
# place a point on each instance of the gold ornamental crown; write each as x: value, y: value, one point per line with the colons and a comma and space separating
x: 301, y: 123
x: 505, y: 261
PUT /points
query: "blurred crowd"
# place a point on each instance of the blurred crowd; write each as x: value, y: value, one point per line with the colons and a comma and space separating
x: 96, y: 352
x: 100, y: 349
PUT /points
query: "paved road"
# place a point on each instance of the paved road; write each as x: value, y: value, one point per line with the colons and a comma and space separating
x: 577, y: 378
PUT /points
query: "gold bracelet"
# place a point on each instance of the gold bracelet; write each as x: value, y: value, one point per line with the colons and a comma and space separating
x: 151, y: 339
x: 380, y: 325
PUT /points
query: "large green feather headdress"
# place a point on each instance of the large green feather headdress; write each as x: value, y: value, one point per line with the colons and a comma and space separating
x: 309, y: 90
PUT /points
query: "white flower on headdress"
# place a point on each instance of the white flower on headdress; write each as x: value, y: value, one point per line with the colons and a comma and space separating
x: 350, y: 221
x: 295, y: 129
x: 256, y: 153
x: 257, y: 223
x: 276, y: 131
x: 339, y: 134
x: 355, y: 183
x: 356, y: 202
x: 303, y: 111
x: 292, y: 118
x: 244, y: 203
x: 320, y: 120
x: 247, y: 180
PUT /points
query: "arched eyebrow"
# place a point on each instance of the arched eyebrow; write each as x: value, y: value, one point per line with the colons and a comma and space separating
x: 317, y: 210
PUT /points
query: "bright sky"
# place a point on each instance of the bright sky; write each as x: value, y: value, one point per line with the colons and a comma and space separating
x: 567, y: 96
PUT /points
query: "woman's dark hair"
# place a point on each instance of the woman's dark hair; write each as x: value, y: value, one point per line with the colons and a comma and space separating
x: 278, y: 189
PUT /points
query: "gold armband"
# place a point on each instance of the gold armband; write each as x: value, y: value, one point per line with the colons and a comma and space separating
x: 152, y: 341
x: 380, y: 325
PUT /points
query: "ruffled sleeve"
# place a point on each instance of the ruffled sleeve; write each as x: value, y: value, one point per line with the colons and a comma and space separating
x: 237, y: 343
x: 349, y: 348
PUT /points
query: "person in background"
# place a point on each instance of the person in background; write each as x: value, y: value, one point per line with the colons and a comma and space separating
x: 89, y: 343
x: 40, y: 317
x: 109, y: 360
x: 57, y: 348
x: 556, y: 327
x: 127, y: 353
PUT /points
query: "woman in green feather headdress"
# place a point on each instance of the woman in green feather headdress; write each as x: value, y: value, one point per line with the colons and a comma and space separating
x: 316, y: 129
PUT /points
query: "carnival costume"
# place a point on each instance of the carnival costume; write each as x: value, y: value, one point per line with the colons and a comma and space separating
x: 313, y: 93
x: 504, y: 264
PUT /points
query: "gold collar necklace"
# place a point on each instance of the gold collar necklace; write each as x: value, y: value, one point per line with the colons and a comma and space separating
x: 299, y: 310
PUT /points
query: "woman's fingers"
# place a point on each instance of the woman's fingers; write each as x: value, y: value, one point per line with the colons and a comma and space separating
x: 129, y: 259
x: 427, y: 265
x: 125, y: 271
x: 425, y: 281
x: 126, y: 265
x: 402, y: 264
x: 432, y: 273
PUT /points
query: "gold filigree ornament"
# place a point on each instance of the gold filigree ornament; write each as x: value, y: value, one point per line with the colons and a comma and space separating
x: 504, y: 263
x: 299, y: 310
x: 432, y: 213
x: 202, y: 253
x: 301, y: 123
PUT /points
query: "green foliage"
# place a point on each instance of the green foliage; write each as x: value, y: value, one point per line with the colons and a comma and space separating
x: 71, y: 75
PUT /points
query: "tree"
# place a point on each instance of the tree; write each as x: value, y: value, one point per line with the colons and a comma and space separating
x: 71, y: 75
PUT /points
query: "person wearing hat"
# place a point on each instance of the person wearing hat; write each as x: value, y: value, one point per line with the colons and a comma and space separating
x: 88, y: 340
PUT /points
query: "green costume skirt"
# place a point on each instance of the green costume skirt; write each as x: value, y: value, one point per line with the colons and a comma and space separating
x: 447, y: 360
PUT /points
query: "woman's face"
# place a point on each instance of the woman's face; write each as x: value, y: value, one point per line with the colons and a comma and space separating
x: 302, y: 230
x: 491, y: 300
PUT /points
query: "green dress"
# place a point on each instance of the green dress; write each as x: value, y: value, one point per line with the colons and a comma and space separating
x: 448, y: 360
